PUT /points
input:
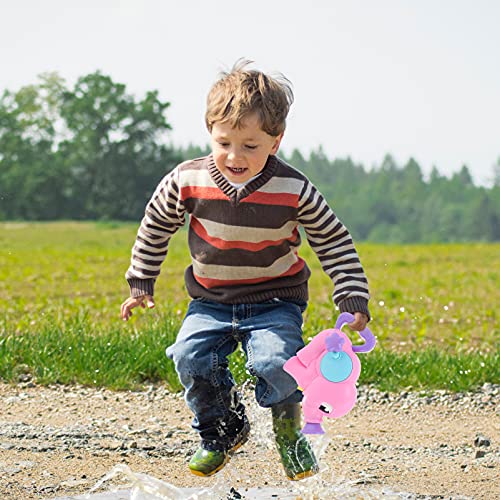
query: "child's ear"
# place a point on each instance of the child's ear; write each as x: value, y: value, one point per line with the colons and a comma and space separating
x: 277, y: 142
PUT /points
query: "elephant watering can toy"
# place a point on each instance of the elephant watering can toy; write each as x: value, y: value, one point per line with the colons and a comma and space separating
x: 326, y: 370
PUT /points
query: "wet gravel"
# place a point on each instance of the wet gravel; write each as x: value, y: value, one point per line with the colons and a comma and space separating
x: 485, y: 398
x: 59, y: 440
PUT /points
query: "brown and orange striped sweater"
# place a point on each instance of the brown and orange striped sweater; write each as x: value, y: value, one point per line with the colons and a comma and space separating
x: 244, y: 242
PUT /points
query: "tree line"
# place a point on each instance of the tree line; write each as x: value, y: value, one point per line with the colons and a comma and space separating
x: 94, y: 151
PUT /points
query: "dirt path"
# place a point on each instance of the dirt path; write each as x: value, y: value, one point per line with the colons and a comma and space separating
x: 60, y: 441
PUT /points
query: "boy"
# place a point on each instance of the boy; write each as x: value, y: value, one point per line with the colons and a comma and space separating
x: 246, y: 280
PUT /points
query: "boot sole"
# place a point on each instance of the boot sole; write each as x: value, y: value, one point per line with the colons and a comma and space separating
x: 230, y: 453
x: 211, y: 473
x: 303, y: 475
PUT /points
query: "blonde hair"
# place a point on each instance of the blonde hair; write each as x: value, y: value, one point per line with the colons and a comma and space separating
x: 243, y: 91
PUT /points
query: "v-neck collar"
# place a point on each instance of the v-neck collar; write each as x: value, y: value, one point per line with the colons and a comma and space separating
x: 236, y: 195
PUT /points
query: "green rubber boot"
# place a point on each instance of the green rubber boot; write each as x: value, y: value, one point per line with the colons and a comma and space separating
x: 295, y: 451
x: 206, y: 462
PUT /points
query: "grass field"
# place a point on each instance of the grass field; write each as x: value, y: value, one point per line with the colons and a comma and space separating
x: 434, y: 310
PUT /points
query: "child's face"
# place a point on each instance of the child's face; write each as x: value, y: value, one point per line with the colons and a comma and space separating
x: 241, y: 153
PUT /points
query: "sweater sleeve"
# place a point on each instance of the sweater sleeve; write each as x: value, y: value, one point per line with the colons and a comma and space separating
x: 164, y: 215
x: 334, y: 247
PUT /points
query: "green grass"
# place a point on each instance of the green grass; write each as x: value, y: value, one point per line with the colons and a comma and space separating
x: 71, y: 353
x: 434, y: 310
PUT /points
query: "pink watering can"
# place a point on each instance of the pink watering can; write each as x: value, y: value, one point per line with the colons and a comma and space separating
x: 327, y: 370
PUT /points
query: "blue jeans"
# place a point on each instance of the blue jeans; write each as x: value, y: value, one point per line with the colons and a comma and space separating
x: 270, y: 333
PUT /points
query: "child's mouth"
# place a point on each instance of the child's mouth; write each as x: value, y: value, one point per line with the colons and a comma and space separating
x: 236, y: 170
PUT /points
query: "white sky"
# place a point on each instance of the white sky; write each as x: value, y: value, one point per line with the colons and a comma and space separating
x: 412, y: 78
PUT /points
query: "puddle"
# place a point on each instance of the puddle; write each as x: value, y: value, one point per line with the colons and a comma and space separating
x: 145, y: 487
x: 233, y: 483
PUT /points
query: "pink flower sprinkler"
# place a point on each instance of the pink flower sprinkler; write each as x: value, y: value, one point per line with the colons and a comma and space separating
x: 327, y: 370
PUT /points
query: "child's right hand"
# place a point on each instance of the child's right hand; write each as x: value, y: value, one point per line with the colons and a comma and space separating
x: 131, y: 302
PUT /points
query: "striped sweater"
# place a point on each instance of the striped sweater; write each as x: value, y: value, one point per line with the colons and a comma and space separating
x: 244, y: 242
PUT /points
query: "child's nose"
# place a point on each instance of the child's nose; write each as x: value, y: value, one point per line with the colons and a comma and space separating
x: 233, y: 155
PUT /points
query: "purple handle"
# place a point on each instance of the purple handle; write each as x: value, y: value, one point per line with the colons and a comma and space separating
x: 343, y: 319
x: 368, y: 345
x: 366, y: 333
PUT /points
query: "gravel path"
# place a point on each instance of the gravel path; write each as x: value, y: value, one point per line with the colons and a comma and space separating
x: 59, y: 441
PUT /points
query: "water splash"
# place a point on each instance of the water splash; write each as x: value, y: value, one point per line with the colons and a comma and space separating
x: 232, y: 482
x: 145, y: 487
x: 142, y: 485
x: 322, y: 485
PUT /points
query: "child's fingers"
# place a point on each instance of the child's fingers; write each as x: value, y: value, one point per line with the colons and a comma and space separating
x: 125, y: 312
x: 131, y: 302
x: 359, y: 323
x: 122, y: 311
x: 355, y: 326
x: 126, y: 308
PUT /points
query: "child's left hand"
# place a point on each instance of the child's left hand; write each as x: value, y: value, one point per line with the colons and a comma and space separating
x: 359, y: 323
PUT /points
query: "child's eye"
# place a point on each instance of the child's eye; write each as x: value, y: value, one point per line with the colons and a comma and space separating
x: 224, y: 144
x: 250, y: 147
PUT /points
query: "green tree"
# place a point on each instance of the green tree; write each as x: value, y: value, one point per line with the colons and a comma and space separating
x: 483, y: 222
x: 116, y: 147
x: 192, y: 151
x: 95, y: 151
x: 31, y: 177
x: 464, y: 177
x: 496, y: 173
x: 83, y: 153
